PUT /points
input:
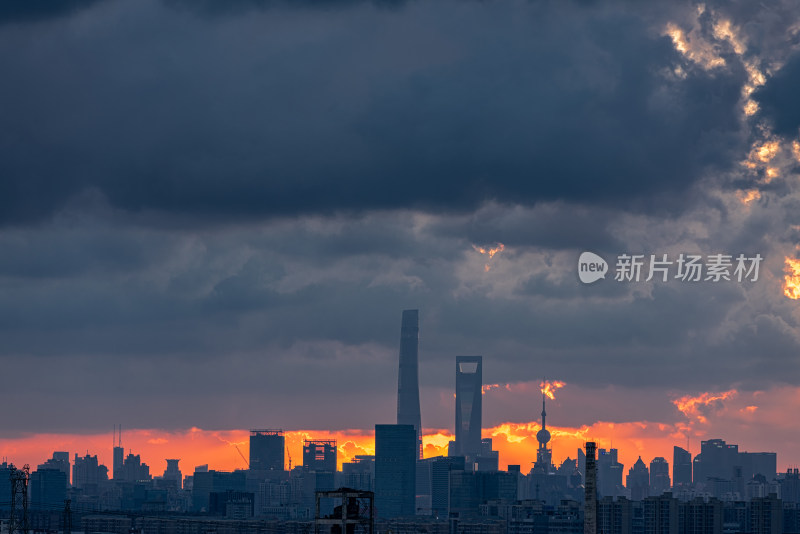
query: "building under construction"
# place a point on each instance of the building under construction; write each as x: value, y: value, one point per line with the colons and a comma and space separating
x: 267, y: 449
x: 353, y: 512
x: 319, y: 455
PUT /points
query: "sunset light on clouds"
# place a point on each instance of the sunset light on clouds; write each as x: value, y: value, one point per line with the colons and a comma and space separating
x: 222, y: 229
x: 735, y: 415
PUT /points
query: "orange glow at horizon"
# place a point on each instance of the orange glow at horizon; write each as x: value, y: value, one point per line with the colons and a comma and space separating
x: 516, y: 441
x: 747, y: 418
x: 217, y: 449
x: 791, y: 280
x: 549, y: 387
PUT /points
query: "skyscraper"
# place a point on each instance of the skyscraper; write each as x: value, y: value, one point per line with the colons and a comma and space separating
x: 681, y: 467
x: 88, y: 474
x: 119, y: 458
x: 408, y: 412
x: 267, y: 449
x: 133, y: 469
x: 590, y: 489
x: 609, y: 473
x: 638, y: 481
x: 60, y: 461
x: 119, y: 454
x: 716, y: 460
x: 659, y: 476
x: 440, y: 482
x: 758, y: 463
x: 48, y: 488
x: 469, y: 406
x: 395, y: 470
x: 173, y: 472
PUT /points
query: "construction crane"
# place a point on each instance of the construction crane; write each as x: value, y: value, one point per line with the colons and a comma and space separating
x: 290, y: 459
x: 242, y: 455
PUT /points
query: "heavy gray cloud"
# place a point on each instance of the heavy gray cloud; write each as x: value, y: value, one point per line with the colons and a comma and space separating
x: 206, y: 212
x: 26, y: 11
x: 778, y: 99
x: 300, y: 310
x: 437, y: 106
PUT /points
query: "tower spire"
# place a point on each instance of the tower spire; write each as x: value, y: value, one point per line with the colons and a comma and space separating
x: 543, y: 455
x: 544, y: 413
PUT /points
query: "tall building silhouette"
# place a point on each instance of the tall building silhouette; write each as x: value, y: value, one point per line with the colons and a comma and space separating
x: 48, y: 488
x: 638, y: 481
x: 173, y: 472
x: 758, y: 463
x: 133, y: 469
x: 659, y: 476
x: 88, y: 474
x: 469, y: 406
x: 440, y: 482
x: 590, y: 491
x: 395, y: 470
x: 408, y: 412
x: 267, y: 448
x: 118, y: 455
x: 609, y: 473
x: 716, y: 460
x: 681, y: 467
x: 60, y: 461
x: 319, y: 455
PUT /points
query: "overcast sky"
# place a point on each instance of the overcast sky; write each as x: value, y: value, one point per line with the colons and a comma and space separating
x: 212, y: 213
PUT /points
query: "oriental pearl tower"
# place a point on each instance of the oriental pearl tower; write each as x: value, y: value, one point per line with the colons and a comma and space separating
x: 543, y: 455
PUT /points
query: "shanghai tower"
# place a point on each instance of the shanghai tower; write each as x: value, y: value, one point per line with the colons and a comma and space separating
x: 408, y: 377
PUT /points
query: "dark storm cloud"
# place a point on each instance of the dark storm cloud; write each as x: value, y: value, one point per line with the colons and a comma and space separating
x: 778, y: 98
x: 233, y: 210
x: 434, y: 106
x: 24, y: 11
x: 247, y: 315
x: 216, y: 292
x: 768, y: 27
x: 555, y: 226
x: 235, y: 7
